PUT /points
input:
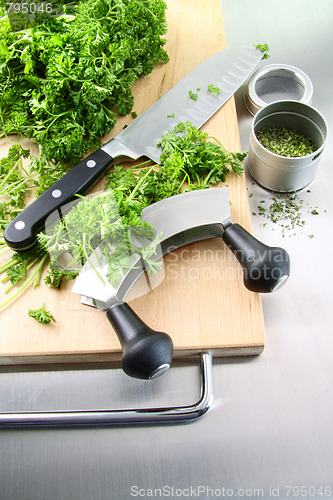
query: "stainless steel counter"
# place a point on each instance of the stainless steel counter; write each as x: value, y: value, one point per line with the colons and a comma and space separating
x: 270, y: 427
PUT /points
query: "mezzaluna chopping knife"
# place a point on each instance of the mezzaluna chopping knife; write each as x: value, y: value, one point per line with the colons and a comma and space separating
x: 227, y: 69
x: 177, y: 221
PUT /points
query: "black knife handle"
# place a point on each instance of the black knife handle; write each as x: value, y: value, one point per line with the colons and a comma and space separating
x: 265, y: 268
x: 21, y: 232
x: 146, y: 353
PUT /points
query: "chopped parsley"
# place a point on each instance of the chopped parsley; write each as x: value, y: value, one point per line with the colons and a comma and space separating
x: 192, y: 95
x: 264, y: 49
x: 214, y: 89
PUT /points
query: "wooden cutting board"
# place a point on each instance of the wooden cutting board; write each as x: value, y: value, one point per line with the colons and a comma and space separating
x: 202, y: 302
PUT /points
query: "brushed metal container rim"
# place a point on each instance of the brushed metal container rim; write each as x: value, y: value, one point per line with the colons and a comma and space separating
x: 276, y: 82
x: 286, y: 173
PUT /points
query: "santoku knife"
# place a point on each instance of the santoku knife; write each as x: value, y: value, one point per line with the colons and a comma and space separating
x: 227, y: 69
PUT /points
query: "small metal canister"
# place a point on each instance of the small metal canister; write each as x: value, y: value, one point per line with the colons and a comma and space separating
x: 280, y: 173
x: 277, y: 82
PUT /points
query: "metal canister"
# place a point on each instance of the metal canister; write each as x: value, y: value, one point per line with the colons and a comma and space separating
x: 281, y: 173
x: 277, y: 82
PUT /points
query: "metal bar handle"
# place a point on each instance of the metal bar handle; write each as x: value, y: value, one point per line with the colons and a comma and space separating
x: 121, y: 416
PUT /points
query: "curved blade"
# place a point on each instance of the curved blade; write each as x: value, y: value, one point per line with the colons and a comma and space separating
x: 180, y: 220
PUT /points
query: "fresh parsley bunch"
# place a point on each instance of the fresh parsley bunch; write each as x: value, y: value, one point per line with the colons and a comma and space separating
x: 63, y: 81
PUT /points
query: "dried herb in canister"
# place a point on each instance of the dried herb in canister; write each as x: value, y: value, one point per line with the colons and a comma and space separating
x: 285, y: 142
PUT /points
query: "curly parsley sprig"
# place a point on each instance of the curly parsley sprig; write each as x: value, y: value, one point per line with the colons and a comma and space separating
x: 41, y: 315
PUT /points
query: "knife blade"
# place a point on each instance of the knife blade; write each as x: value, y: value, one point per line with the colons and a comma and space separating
x: 227, y: 69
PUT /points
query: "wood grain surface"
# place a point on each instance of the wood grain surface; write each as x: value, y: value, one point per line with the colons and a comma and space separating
x: 202, y: 302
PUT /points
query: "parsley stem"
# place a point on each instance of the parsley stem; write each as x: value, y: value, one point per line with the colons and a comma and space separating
x: 5, y: 251
x: 220, y: 144
x: 7, y: 278
x: 206, y: 179
x: 6, y: 266
x: 14, y: 187
x: 84, y: 248
x: 139, y: 166
x: 37, y: 273
x: 56, y: 118
x: 25, y: 37
x: 186, y: 177
x: 141, y: 181
x: 182, y: 183
x: 72, y: 263
x: 9, y: 287
x: 10, y: 172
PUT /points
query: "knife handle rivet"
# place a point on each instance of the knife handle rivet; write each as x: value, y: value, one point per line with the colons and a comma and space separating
x: 91, y: 163
x: 20, y: 225
x: 56, y: 193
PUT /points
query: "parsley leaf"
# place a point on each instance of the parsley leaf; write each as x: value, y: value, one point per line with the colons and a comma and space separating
x: 214, y: 89
x: 264, y: 49
x: 41, y: 315
x: 193, y: 95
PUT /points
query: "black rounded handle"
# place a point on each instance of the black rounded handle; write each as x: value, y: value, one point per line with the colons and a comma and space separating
x: 265, y: 268
x: 146, y: 353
